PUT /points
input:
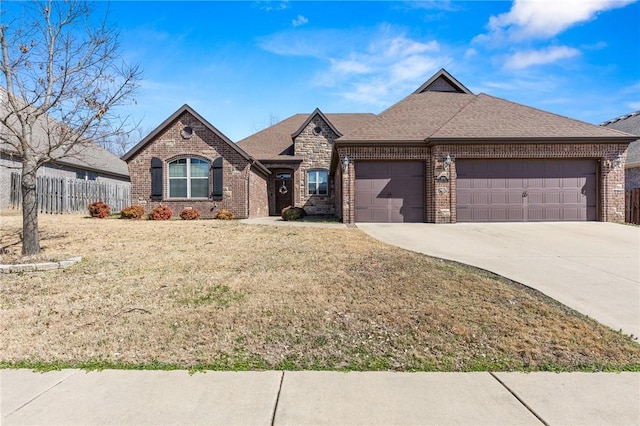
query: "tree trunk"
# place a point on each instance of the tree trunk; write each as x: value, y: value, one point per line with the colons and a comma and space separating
x: 30, y: 235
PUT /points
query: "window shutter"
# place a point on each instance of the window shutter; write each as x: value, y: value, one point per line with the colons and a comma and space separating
x: 156, y: 178
x: 217, y: 178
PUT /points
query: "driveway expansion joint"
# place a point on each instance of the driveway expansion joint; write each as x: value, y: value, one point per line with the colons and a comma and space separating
x: 275, y: 407
x: 39, y: 395
x: 531, y: 410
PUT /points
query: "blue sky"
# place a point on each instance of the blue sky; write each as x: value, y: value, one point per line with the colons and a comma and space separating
x: 244, y: 64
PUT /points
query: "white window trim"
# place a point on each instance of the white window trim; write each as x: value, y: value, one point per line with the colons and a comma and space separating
x: 307, y: 185
x: 188, y: 178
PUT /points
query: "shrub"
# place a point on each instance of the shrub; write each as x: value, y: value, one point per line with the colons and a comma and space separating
x: 99, y: 210
x: 190, y: 214
x: 161, y: 213
x: 293, y: 213
x: 225, y: 214
x: 132, y: 212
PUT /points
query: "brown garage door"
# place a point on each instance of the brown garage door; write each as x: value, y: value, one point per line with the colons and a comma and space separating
x: 525, y: 190
x: 391, y: 191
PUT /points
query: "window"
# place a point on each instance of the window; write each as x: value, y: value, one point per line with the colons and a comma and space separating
x: 318, y: 182
x: 188, y: 178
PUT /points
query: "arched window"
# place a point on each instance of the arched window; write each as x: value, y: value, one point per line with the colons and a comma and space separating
x: 189, y: 178
x: 317, y: 182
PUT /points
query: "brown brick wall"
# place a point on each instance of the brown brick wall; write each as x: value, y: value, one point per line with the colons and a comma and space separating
x: 316, y: 149
x: 610, y: 157
x: 356, y: 154
x: 440, y: 197
x: 169, y: 145
x: 258, y: 198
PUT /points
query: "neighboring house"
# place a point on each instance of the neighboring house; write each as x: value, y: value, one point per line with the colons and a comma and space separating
x: 445, y: 155
x: 86, y: 161
x: 629, y: 123
x: 188, y: 163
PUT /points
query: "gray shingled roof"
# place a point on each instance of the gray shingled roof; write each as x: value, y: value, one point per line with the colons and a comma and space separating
x: 629, y: 123
x: 85, y: 156
x: 441, y: 116
x: 276, y: 143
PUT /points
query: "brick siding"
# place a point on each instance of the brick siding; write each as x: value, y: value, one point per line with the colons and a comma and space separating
x: 169, y: 145
x: 440, y: 198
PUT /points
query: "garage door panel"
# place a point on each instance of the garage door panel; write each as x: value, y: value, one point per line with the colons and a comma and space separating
x: 526, y: 190
x: 391, y: 191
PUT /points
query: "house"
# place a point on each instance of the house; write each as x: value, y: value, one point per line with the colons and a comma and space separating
x: 629, y: 123
x: 86, y: 161
x: 445, y: 155
x: 440, y: 155
x: 187, y: 163
x: 298, y: 153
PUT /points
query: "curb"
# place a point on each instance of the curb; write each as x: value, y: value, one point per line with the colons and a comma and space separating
x: 37, y: 267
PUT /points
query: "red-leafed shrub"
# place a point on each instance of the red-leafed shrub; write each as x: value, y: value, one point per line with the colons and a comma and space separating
x: 99, y: 209
x: 225, y: 214
x: 161, y: 213
x: 190, y: 214
x: 132, y: 212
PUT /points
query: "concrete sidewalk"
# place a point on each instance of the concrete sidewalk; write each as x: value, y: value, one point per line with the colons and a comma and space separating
x: 74, y: 397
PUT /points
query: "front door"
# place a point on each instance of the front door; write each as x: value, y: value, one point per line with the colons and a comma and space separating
x: 284, y: 191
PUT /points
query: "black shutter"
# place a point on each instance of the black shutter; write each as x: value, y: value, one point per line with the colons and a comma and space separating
x: 217, y: 178
x: 156, y: 178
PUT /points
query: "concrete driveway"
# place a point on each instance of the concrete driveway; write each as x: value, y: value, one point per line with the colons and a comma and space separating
x: 592, y: 267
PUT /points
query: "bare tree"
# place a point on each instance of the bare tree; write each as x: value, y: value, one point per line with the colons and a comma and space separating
x: 63, y: 76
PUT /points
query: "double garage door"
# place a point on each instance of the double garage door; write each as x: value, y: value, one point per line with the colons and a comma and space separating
x: 487, y: 190
x: 526, y: 190
x: 389, y: 191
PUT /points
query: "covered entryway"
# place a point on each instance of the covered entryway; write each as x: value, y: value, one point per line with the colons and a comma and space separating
x: 389, y: 191
x: 283, y: 190
x: 526, y: 190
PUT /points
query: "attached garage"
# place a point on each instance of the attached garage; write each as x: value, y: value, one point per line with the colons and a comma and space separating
x: 389, y: 191
x: 526, y: 190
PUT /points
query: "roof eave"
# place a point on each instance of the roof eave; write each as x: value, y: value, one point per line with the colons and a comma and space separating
x: 526, y: 139
x: 382, y: 142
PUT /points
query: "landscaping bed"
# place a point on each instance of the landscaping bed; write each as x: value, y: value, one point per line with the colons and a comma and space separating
x: 208, y: 294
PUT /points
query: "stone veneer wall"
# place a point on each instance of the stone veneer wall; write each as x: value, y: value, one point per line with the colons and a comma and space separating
x: 316, y: 150
x: 440, y: 198
x: 169, y: 145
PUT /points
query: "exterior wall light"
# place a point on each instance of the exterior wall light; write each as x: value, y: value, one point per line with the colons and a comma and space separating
x: 447, y: 160
x: 345, y: 163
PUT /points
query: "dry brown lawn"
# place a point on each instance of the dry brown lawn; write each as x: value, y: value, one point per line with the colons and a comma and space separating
x: 226, y: 295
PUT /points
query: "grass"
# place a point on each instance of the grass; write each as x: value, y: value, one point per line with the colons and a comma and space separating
x: 223, y: 295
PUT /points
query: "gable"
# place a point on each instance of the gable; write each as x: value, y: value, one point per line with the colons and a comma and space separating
x: 442, y: 81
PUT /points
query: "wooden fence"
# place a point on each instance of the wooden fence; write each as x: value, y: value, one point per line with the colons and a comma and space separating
x: 65, y: 195
x: 632, y: 206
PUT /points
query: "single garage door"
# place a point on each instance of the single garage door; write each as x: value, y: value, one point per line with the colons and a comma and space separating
x: 526, y: 190
x: 390, y: 191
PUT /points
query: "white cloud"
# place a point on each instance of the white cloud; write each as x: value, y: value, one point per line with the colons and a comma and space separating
x: 530, y: 58
x: 634, y: 106
x: 350, y: 66
x: 372, y: 67
x: 300, y: 20
x: 269, y: 6
x: 535, y: 19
